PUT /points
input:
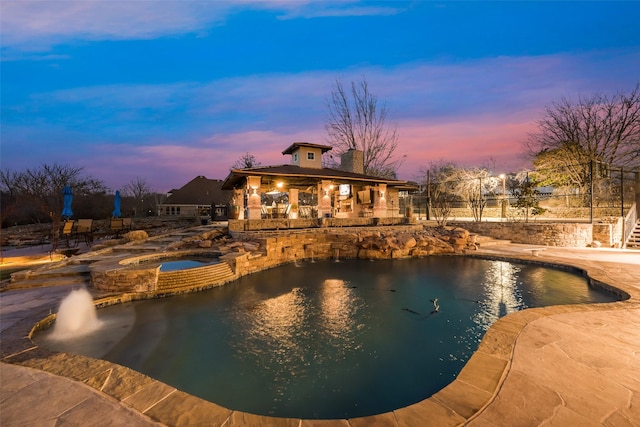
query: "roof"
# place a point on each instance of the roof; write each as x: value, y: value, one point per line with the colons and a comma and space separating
x: 199, y: 191
x: 302, y: 176
x: 297, y: 145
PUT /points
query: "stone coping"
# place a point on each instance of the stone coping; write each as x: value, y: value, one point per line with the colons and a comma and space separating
x: 477, y: 385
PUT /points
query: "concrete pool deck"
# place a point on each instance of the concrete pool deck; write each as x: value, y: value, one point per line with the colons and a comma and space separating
x: 563, y: 365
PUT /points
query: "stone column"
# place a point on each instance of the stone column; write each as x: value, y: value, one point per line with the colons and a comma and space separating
x: 380, y: 201
x: 293, y: 201
x: 237, y: 203
x: 254, y: 207
x: 324, y: 198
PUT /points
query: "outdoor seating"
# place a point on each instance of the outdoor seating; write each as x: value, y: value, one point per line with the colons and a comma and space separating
x: 116, y: 225
x: 304, y: 211
x: 280, y: 210
x: 265, y: 212
x: 127, y: 224
x: 84, y: 229
x: 67, y: 230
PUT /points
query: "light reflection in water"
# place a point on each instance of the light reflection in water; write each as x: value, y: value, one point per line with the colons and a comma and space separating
x: 338, y: 312
x: 500, y: 283
x: 290, y: 335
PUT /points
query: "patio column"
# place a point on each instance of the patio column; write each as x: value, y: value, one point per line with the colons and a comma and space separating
x: 380, y: 201
x: 238, y: 203
x: 324, y: 198
x: 253, y: 190
x: 293, y: 201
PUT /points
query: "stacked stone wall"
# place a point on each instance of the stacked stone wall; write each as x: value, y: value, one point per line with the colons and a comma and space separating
x: 311, y: 223
x: 255, y: 251
x: 576, y: 235
x: 608, y: 231
x: 123, y: 280
x: 393, y: 242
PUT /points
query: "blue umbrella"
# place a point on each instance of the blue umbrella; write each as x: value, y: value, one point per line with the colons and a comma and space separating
x: 116, y: 206
x: 67, y: 198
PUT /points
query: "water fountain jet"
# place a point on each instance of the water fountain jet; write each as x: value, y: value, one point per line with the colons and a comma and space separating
x: 76, y: 316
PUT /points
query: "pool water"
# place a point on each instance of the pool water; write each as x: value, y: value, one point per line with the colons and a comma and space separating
x: 184, y: 264
x: 178, y: 263
x: 326, y: 339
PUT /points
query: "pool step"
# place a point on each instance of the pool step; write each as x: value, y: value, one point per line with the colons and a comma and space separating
x: 173, y: 281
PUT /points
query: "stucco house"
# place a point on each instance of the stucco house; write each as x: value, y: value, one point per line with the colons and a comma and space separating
x: 305, y: 189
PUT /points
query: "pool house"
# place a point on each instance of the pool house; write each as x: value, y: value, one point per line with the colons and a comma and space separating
x: 305, y: 190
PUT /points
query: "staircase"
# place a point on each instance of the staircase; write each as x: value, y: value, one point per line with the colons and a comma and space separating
x: 194, y: 278
x: 633, y: 241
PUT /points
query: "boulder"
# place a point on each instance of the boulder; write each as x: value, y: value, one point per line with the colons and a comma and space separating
x: 406, y: 241
x: 136, y: 236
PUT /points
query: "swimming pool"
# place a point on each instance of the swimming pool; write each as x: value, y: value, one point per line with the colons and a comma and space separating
x: 326, y: 339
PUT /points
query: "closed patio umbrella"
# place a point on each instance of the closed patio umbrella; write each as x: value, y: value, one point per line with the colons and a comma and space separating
x: 67, y: 198
x: 116, y: 206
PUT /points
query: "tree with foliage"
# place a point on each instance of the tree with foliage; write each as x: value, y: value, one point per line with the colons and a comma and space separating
x: 139, y: 189
x: 356, y: 121
x: 526, y: 194
x: 246, y: 161
x: 40, y: 189
x: 596, y: 128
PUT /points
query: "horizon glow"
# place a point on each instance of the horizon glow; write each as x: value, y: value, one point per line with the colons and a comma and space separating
x: 168, y: 90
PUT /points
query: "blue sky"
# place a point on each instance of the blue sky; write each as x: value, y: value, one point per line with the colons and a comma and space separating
x: 167, y: 90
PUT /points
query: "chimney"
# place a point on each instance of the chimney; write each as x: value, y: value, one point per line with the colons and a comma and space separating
x: 352, y: 160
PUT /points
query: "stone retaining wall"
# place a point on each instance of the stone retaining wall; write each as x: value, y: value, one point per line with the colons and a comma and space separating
x: 256, y: 251
x: 356, y: 243
x: 577, y: 235
x: 307, y: 223
x: 608, y: 231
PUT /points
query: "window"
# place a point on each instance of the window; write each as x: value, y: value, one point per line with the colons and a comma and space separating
x: 311, y: 156
x: 295, y: 157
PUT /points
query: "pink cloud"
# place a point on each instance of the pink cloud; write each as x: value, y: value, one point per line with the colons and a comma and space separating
x: 479, y: 141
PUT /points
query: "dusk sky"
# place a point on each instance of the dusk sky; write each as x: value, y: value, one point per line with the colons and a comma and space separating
x: 167, y: 91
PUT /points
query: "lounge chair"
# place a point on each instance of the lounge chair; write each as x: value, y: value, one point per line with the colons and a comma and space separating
x: 84, y: 229
x: 67, y: 230
x: 116, y: 225
x: 304, y: 211
x: 265, y: 213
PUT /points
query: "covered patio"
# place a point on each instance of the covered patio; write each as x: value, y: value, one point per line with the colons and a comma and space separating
x: 310, y: 191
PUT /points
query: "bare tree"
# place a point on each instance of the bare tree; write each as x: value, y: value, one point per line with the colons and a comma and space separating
x: 356, y: 121
x: 450, y: 184
x: 41, y: 188
x: 246, y: 161
x: 473, y: 185
x: 595, y: 128
x: 439, y: 189
x: 139, y: 189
